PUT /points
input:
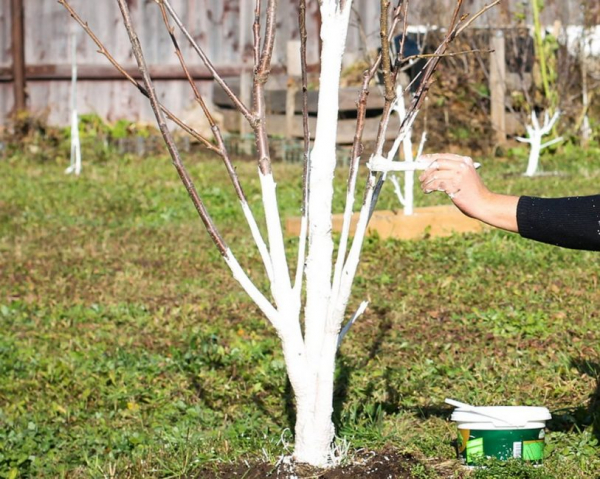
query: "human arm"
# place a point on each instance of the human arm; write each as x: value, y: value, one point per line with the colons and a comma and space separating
x: 571, y: 222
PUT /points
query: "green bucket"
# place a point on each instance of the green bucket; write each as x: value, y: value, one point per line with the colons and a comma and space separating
x: 503, y: 432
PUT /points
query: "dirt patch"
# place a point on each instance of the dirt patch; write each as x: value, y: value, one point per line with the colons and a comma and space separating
x: 366, y: 464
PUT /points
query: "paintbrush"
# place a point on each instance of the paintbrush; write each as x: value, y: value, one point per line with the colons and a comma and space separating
x: 383, y: 165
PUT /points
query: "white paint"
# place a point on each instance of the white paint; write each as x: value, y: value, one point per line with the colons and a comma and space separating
x: 361, y: 309
x: 314, y: 427
x: 577, y: 37
x: 535, y: 134
x: 348, y: 210
x: 281, y: 287
x: 258, y: 239
x: 301, y: 257
x: 261, y: 301
x: 75, y: 162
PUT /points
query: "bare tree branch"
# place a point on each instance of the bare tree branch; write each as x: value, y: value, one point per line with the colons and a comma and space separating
x: 217, y: 77
x: 103, y: 51
x: 213, y: 232
x: 306, y: 155
x: 173, y: 151
x: 476, y: 16
x: 258, y: 239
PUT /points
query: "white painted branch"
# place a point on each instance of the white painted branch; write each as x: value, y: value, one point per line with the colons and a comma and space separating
x: 336, y: 314
x: 381, y: 164
x: 281, y: 286
x: 552, y: 142
x: 345, y: 234
x: 258, y: 239
x: 361, y: 309
x: 397, y: 189
x: 261, y: 301
x: 407, y: 146
x: 301, y: 257
x: 401, y: 135
x: 422, y: 145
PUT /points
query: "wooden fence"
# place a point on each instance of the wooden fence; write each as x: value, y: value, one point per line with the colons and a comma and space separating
x: 35, y: 48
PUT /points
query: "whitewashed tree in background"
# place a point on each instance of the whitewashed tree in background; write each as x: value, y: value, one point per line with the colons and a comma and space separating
x: 406, y: 199
x: 310, y: 340
x: 535, y: 135
x: 75, y: 161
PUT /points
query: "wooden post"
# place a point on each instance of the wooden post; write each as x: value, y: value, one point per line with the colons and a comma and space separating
x: 18, y: 54
x: 498, y: 85
x: 294, y: 71
x: 290, y: 107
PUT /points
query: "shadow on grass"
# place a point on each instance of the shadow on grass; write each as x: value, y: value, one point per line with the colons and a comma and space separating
x: 344, y: 375
x: 582, y: 416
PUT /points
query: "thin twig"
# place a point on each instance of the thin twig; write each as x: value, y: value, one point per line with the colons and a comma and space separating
x: 103, y: 51
x: 476, y: 16
x: 386, y: 65
x: 258, y: 239
x: 256, y: 33
x: 261, y: 75
x: 173, y: 151
x: 217, y: 77
x: 444, y: 55
x: 306, y: 163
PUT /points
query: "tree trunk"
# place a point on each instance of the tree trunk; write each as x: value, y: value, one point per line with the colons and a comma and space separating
x: 314, y: 427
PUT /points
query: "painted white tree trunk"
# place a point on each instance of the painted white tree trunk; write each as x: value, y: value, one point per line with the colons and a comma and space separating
x: 406, y: 199
x: 314, y: 427
x: 535, y: 135
x: 75, y: 162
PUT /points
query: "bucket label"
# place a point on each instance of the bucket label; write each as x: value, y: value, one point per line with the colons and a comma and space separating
x: 533, y: 450
x: 517, y: 449
x: 474, y: 449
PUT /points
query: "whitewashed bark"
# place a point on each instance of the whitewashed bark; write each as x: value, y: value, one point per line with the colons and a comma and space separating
x: 75, y: 162
x: 314, y: 427
x: 281, y: 287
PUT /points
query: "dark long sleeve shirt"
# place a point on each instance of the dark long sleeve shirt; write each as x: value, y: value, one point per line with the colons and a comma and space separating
x: 572, y: 222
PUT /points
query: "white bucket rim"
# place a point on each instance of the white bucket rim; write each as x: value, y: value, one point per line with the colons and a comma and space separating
x: 491, y: 426
x: 504, y: 417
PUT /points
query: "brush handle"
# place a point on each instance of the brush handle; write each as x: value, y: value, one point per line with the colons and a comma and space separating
x: 384, y: 165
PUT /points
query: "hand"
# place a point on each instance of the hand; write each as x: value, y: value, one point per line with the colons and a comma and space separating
x: 456, y: 176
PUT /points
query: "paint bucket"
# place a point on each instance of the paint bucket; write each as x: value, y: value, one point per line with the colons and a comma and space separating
x: 503, y: 432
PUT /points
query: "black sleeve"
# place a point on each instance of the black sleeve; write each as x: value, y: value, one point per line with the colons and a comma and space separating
x: 568, y: 222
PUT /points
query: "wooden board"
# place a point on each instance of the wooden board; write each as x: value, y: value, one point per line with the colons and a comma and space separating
x: 275, y: 99
x: 277, y: 126
x: 431, y: 221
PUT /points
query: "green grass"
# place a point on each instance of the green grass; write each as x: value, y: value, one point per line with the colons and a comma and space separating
x: 127, y: 349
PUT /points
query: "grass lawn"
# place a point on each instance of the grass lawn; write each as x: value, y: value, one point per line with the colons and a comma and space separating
x: 127, y: 350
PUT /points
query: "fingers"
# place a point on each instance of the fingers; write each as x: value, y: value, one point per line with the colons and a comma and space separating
x: 440, y: 180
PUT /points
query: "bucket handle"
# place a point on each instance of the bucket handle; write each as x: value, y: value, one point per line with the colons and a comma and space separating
x: 476, y: 410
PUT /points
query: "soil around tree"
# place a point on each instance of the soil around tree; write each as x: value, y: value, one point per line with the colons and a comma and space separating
x: 386, y: 464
